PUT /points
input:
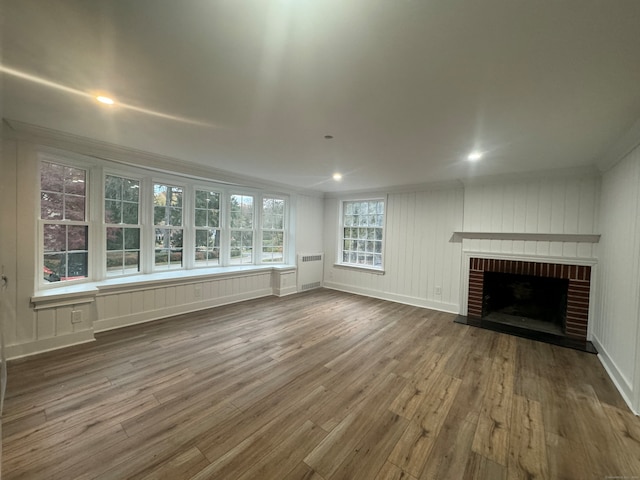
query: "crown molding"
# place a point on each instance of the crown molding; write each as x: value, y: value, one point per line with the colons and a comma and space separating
x: 17, y: 130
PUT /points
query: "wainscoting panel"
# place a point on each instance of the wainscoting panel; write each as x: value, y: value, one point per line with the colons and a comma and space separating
x: 114, y: 309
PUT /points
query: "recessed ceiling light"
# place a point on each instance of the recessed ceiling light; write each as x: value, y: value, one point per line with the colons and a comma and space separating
x: 337, y: 176
x: 105, y: 100
x: 475, y: 155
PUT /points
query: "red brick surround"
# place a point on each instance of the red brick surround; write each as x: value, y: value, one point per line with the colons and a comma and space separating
x: 579, y: 277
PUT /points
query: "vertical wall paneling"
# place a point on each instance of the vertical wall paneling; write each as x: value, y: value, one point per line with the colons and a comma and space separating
x: 419, y: 253
x: 546, y: 205
x: 616, y: 331
x: 308, y: 224
x: 27, y: 184
x: 8, y: 234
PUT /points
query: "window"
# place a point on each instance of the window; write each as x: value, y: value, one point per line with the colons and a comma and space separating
x: 63, y: 207
x: 121, y: 217
x: 272, y: 230
x: 241, y: 231
x: 207, y: 226
x: 167, y: 218
x: 362, y: 233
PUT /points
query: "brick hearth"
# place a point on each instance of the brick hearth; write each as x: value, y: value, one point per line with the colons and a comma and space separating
x: 579, y: 277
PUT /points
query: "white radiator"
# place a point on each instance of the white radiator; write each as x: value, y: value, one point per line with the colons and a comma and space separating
x: 310, y: 268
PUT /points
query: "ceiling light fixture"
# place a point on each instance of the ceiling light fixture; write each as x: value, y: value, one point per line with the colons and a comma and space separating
x: 337, y: 176
x: 105, y: 100
x: 475, y: 155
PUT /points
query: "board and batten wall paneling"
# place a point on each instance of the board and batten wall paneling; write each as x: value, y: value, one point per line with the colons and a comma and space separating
x: 542, y: 205
x: 422, y: 264
x: 615, y: 328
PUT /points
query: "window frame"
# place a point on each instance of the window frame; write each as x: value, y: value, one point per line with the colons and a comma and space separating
x: 177, y: 183
x: 140, y: 224
x: 257, y: 198
x: 341, y: 237
x: 221, y: 224
x: 89, y: 216
x: 284, y: 230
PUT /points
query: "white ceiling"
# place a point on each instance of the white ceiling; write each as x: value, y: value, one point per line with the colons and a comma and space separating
x: 407, y: 88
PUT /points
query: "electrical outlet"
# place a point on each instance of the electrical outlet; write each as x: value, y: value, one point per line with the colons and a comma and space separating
x: 76, y: 316
x: 438, y: 290
x: 197, y: 291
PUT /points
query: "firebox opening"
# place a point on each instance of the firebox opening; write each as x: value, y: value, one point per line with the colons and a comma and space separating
x: 536, y: 303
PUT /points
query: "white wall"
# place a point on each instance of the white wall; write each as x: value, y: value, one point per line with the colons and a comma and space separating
x: 308, y: 225
x: 419, y: 253
x: 537, y: 205
x: 616, y: 331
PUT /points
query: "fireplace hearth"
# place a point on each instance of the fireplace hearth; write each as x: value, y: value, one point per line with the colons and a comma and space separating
x: 543, y: 301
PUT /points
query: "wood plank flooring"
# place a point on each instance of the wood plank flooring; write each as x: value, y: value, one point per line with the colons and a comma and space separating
x: 318, y: 386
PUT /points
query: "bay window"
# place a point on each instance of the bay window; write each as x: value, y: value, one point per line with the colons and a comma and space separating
x: 135, y: 224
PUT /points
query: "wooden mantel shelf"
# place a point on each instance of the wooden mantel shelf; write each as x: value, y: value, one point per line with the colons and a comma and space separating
x: 541, y: 237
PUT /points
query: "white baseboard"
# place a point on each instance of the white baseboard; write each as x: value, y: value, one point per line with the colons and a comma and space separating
x: 619, y: 380
x: 48, y: 344
x: 394, y: 297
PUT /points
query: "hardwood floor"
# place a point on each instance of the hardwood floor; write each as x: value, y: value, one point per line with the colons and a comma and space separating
x: 318, y: 386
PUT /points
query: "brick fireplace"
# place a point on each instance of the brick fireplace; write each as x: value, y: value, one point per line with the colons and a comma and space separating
x: 578, y: 276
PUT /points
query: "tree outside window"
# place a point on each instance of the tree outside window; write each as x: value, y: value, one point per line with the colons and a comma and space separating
x: 65, y: 229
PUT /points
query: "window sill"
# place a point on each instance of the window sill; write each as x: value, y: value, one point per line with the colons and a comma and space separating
x: 86, y: 292
x: 376, y: 271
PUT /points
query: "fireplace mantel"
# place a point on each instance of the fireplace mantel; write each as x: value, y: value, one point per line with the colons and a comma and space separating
x: 541, y: 237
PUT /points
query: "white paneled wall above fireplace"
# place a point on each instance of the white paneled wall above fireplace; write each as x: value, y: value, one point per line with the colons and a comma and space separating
x: 536, y: 206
